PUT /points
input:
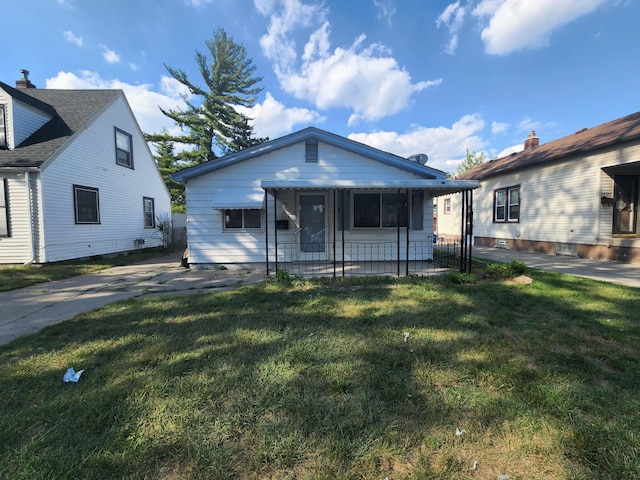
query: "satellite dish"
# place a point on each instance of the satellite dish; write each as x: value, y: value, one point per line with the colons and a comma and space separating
x: 420, y: 158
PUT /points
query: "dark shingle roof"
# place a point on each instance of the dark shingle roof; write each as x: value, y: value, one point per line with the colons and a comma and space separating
x: 70, y: 109
x: 585, y: 141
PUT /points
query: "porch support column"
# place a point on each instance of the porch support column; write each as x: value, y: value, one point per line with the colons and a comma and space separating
x: 335, y: 229
x: 398, y: 216
x: 470, y: 228
x: 409, y: 199
x: 266, y: 229
x: 466, y: 231
x: 275, y: 227
x: 342, y: 223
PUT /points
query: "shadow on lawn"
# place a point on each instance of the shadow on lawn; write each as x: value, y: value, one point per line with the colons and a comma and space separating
x: 319, y: 381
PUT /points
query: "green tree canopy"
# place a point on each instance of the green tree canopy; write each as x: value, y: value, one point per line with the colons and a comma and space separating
x: 472, y: 160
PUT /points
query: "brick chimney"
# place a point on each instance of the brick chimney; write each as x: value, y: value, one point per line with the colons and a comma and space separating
x: 24, y: 82
x: 532, y: 141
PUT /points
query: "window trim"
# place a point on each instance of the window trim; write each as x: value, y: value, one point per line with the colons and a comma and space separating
x: 242, y: 228
x: 4, y: 198
x: 129, y: 137
x: 4, y: 141
x: 76, y: 205
x: 380, y: 226
x: 153, y: 212
x: 507, y: 204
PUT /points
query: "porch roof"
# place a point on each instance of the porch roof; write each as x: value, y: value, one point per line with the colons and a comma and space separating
x: 438, y: 187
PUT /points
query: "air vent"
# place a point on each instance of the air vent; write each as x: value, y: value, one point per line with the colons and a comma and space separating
x: 311, y: 151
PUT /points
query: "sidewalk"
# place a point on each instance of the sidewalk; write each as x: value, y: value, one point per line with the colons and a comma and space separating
x: 28, y: 310
x: 606, y: 271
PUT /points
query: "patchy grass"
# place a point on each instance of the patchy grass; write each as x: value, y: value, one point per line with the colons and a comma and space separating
x: 304, y: 379
x: 19, y: 276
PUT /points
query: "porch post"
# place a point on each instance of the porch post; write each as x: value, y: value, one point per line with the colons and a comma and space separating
x: 470, y: 229
x: 275, y: 227
x: 463, y: 222
x: 343, y: 227
x: 335, y: 229
x: 266, y: 229
x: 398, y: 213
x: 409, y: 199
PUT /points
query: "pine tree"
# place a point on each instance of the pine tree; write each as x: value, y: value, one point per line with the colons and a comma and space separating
x: 212, y: 122
x: 168, y: 163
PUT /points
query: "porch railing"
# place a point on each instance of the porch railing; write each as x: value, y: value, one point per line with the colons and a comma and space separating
x: 368, y: 258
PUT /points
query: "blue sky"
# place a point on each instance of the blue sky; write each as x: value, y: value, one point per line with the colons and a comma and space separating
x: 428, y: 76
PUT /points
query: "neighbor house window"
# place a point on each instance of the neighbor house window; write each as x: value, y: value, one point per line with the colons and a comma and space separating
x: 3, y: 128
x: 506, y: 202
x: 149, y: 212
x: 243, y: 219
x: 5, y: 230
x: 86, y: 203
x: 380, y: 210
x: 447, y: 205
x: 124, y: 148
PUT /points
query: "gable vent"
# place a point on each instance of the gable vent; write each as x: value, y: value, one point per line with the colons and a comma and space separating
x: 311, y: 151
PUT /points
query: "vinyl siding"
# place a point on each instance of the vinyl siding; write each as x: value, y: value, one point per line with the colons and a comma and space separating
x: 90, y: 161
x: 26, y: 121
x: 209, y: 243
x: 17, y: 248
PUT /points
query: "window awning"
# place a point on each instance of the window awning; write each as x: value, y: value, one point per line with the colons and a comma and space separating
x: 238, y: 198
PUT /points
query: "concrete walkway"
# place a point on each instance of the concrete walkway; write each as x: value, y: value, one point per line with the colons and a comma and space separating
x: 606, y: 271
x: 28, y: 310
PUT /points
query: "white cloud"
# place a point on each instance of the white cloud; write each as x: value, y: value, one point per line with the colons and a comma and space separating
x: 365, y: 79
x: 109, y: 55
x: 143, y: 100
x: 452, y: 18
x: 445, y: 146
x: 386, y: 9
x: 509, y: 150
x: 72, y: 38
x: 499, y: 127
x: 518, y: 24
x: 272, y: 119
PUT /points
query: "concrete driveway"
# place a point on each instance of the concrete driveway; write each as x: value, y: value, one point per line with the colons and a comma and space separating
x: 28, y: 310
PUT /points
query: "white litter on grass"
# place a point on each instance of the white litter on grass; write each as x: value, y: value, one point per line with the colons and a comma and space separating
x: 71, y: 375
x: 475, y: 465
x: 460, y: 432
x: 504, y: 476
x: 406, y: 337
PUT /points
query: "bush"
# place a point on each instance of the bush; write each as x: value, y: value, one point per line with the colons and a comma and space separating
x: 505, y: 271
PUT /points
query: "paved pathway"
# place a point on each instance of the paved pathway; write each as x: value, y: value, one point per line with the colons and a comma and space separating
x: 28, y: 310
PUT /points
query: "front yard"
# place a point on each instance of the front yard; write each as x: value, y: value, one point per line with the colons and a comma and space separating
x: 345, y: 380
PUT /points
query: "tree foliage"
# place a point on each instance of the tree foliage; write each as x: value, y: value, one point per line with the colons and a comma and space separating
x: 212, y: 122
x: 472, y: 160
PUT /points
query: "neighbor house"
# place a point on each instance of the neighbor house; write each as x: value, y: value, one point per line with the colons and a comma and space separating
x: 577, y: 195
x: 77, y: 178
x: 312, y: 198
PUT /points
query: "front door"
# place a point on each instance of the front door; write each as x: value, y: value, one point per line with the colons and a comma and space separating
x: 625, y: 197
x: 313, y: 211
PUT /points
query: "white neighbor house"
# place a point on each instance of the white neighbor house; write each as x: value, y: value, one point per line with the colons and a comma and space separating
x: 77, y: 178
x: 577, y: 195
x: 311, y: 197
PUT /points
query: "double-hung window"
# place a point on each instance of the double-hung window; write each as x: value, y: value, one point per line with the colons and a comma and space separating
x: 87, y: 205
x: 242, y: 219
x: 380, y: 210
x: 447, y: 206
x: 506, y: 204
x: 149, y: 212
x: 5, y: 226
x: 3, y: 128
x: 124, y: 148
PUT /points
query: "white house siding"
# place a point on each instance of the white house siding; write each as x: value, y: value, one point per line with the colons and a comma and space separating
x: 90, y: 161
x: 17, y: 247
x: 26, y: 121
x: 210, y: 244
x: 559, y: 203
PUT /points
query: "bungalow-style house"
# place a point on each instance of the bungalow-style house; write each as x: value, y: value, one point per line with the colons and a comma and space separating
x: 77, y: 178
x: 312, y: 198
x: 577, y: 195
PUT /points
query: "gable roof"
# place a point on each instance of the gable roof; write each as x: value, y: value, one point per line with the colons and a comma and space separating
x: 70, y: 109
x: 310, y: 133
x: 582, y: 142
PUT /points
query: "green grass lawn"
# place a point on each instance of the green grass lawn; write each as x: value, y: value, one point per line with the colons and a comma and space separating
x: 315, y: 380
